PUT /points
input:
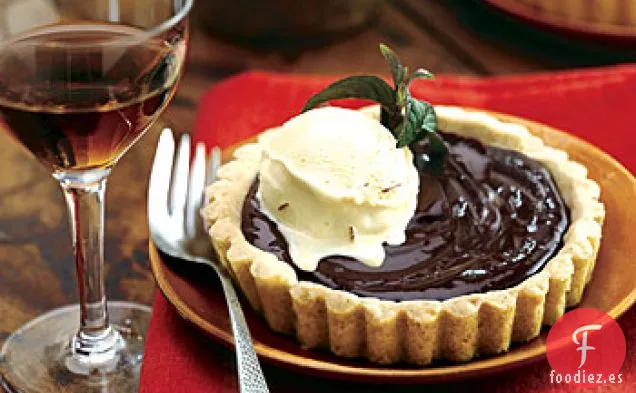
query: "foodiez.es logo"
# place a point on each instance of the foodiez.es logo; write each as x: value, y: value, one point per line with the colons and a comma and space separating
x: 586, y: 347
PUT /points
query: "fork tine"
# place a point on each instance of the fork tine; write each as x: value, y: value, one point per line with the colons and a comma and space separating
x: 195, y: 191
x: 213, y: 165
x: 180, y: 170
x: 159, y: 183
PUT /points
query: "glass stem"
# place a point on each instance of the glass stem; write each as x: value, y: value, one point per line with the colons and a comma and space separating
x: 96, y: 344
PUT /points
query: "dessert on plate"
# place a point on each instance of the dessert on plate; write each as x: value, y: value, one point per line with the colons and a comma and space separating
x: 601, y: 12
x: 403, y: 232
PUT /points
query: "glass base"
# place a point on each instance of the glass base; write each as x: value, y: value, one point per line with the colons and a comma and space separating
x: 37, y: 357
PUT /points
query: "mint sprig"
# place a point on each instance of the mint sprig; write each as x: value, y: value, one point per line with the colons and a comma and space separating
x: 409, y: 119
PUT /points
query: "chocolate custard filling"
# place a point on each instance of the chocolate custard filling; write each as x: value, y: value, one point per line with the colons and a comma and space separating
x: 493, y: 218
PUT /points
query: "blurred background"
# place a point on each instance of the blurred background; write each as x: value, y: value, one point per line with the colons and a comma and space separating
x: 474, y: 37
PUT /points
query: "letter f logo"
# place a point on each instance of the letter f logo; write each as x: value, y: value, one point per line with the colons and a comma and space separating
x: 584, y: 347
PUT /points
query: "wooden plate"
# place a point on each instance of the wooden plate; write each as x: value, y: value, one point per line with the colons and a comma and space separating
x: 195, y: 293
x: 601, y: 32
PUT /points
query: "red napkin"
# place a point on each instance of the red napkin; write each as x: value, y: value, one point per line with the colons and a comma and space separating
x: 595, y: 104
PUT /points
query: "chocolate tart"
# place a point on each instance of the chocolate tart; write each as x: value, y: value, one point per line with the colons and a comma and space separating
x: 434, y: 314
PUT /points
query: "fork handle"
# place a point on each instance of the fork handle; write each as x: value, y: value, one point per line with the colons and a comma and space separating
x: 251, y: 379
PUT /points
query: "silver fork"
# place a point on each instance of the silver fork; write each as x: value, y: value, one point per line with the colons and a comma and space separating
x: 175, y: 195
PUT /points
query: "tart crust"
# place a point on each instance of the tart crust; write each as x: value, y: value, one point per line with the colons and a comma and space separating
x: 415, y: 332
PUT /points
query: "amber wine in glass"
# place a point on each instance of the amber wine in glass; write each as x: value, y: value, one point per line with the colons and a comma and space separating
x: 80, y: 82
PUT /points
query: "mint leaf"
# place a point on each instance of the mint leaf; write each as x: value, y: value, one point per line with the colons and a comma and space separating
x: 360, y: 86
x: 429, y: 120
x: 398, y: 71
x: 421, y: 73
x: 420, y: 119
x: 401, y: 95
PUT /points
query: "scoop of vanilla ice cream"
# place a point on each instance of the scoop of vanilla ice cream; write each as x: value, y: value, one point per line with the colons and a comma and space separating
x: 335, y: 183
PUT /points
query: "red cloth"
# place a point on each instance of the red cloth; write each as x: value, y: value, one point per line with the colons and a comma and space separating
x: 595, y: 104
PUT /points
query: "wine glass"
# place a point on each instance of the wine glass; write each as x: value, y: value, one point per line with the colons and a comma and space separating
x: 80, y: 82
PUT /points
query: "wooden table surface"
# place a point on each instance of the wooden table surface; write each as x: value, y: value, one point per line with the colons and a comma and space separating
x: 452, y: 36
